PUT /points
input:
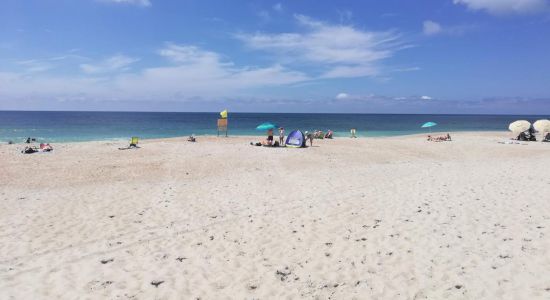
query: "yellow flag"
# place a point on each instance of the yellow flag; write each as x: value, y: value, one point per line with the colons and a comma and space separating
x: 224, y: 114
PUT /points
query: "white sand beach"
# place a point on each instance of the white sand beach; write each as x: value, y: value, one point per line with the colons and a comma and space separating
x: 373, y: 218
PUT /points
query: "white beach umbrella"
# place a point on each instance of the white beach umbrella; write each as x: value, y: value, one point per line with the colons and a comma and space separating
x: 542, y: 126
x: 519, y: 126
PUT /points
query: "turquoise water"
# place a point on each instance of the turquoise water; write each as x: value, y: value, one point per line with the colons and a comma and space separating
x: 87, y: 126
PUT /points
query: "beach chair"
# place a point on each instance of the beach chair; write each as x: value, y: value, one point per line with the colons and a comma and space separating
x: 133, y: 144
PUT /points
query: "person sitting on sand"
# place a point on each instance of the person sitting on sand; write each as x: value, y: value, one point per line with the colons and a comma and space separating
x: 318, y: 134
x: 448, y: 137
x: 329, y: 134
x: 430, y: 138
x: 269, y: 140
x: 192, y: 138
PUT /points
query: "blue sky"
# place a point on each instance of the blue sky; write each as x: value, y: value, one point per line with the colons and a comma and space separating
x: 432, y: 56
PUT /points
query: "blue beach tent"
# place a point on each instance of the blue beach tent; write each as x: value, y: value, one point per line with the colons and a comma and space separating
x: 296, y: 139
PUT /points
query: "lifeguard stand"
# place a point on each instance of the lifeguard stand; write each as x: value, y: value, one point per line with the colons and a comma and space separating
x: 222, y: 126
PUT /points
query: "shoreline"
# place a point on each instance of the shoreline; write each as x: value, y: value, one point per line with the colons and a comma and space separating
x: 209, y: 136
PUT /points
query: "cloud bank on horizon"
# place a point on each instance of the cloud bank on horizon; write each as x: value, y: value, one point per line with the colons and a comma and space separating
x: 506, y: 6
x: 277, y: 56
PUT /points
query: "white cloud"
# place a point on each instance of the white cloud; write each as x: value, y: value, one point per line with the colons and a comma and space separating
x: 426, y: 98
x: 192, y: 72
x: 501, y: 7
x: 112, y: 64
x: 35, y: 65
x: 341, y: 96
x: 338, y: 50
x: 200, y: 72
x: 408, y: 69
x: 431, y: 28
x: 278, y: 7
x: 132, y: 2
x: 187, y: 54
x: 324, y: 50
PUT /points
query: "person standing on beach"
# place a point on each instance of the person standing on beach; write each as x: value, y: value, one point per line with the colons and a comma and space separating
x: 309, y: 136
x: 281, y: 136
x: 353, y: 131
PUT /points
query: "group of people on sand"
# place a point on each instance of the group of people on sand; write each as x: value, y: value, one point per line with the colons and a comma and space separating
x: 270, y: 142
x: 441, y: 138
x: 309, y: 136
x: 527, y: 135
x: 319, y: 134
x: 530, y: 136
x: 44, y: 147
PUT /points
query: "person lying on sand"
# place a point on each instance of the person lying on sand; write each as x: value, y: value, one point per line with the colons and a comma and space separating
x: 46, y: 147
x: 443, y: 138
x: 266, y: 143
x: 29, y: 150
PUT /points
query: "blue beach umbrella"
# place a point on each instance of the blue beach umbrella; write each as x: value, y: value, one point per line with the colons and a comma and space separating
x: 266, y: 126
x: 429, y: 125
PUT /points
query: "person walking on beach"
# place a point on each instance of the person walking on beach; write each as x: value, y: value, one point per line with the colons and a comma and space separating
x: 352, y: 132
x: 281, y: 136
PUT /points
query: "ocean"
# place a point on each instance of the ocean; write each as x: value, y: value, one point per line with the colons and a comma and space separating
x: 64, y: 126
